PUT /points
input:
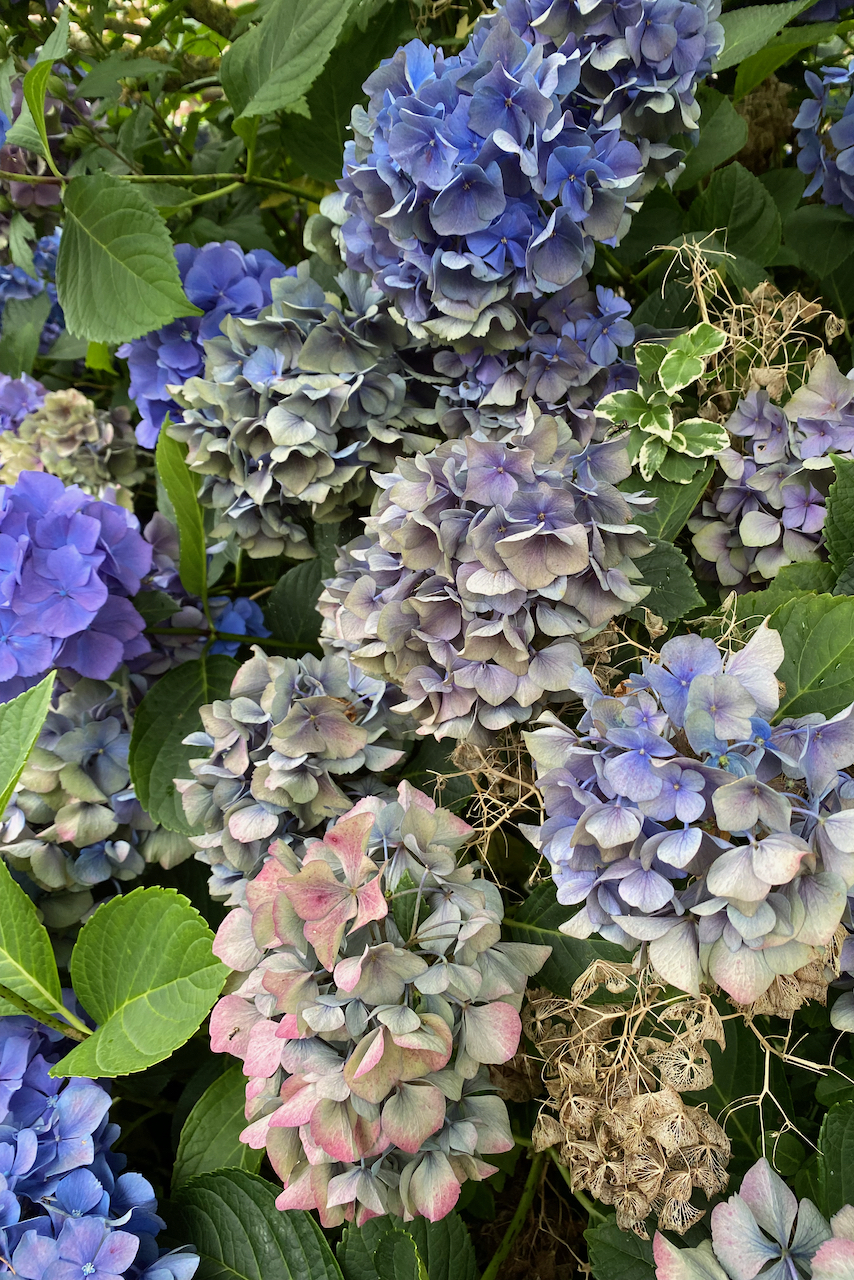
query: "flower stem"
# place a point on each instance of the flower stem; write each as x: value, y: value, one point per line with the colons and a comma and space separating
x: 586, y: 1203
x: 77, y: 1032
x: 518, y: 1220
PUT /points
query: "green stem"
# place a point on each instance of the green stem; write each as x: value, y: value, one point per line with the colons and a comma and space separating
x: 617, y: 268
x: 214, y: 635
x: 586, y: 1203
x: 203, y: 199
x: 650, y: 266
x: 79, y: 1031
x: 181, y: 178
x: 518, y: 1220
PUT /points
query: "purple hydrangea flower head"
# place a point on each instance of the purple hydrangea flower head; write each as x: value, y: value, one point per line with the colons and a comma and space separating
x: 221, y: 280
x: 485, y: 563
x: 74, y: 565
x: 678, y: 818
x: 766, y: 508
x: 364, y: 1031
x: 825, y: 125
x: 18, y: 397
x: 66, y: 1210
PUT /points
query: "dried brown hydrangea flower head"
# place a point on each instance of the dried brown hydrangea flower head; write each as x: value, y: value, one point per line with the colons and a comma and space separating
x: 615, y: 1074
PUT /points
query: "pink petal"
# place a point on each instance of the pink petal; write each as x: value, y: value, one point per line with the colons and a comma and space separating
x: 231, y: 1022
x: 420, y: 1062
x: 315, y: 891
x: 492, y: 1031
x: 412, y: 1114
x: 331, y: 1129
x: 348, y: 840
x: 834, y: 1260
x: 299, y: 1194
x: 299, y: 1098
x: 264, y: 1052
x: 234, y: 942
x: 371, y: 903
x: 433, y: 1189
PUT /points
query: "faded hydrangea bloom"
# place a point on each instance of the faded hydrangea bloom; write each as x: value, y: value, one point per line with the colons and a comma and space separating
x: 372, y: 989
x: 764, y: 1229
x: 69, y: 438
x: 298, y: 741
x: 18, y: 397
x: 767, y: 509
x: 486, y: 562
x: 74, y: 826
x: 681, y: 819
x: 294, y: 409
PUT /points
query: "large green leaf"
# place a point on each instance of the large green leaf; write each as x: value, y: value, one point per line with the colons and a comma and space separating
x: 292, y: 606
x: 723, y: 132
x: 317, y: 144
x: 182, y: 486
x: 836, y: 1158
x: 673, y: 592
x: 537, y: 921
x: 444, y: 1247
x: 749, y: 30
x: 27, y: 964
x: 839, y: 521
x: 777, y: 52
x: 166, y: 715
x: 822, y: 237
x: 818, y: 639
x: 736, y: 204
x: 23, y: 321
x: 618, y: 1255
x: 210, y: 1138
x: 277, y: 61
x: 116, y: 274
x: 397, y: 1258
x: 143, y: 969
x: 232, y: 1220
x: 674, y: 503
x: 793, y: 580
x: 21, y: 720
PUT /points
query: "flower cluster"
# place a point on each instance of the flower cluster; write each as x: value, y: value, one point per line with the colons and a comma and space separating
x: 74, y: 822
x: 68, y: 1210
x: 769, y: 509
x: 825, y: 125
x: 615, y: 1075
x: 485, y: 563
x: 69, y: 438
x: 17, y: 283
x: 298, y: 741
x: 372, y: 989
x: 67, y: 567
x: 681, y: 819
x: 221, y: 280
x: 294, y: 407
x: 764, y: 1228
x: 482, y: 177
x: 19, y: 397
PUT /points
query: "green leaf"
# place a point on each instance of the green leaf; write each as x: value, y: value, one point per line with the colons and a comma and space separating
x: 674, y: 502
x: 23, y: 321
x: 839, y: 521
x: 355, y: 1256
x: 736, y: 204
x: 648, y: 357
x: 723, y: 132
x: 143, y: 969
x: 537, y: 920
x: 679, y: 468
x: 657, y: 419
x: 823, y: 237
x: 155, y: 606
x: 397, y: 1257
x: 673, y: 590
x: 818, y: 639
x: 652, y: 453
x: 182, y: 485
x: 836, y: 1088
x: 116, y: 273
x: 445, y: 1247
x: 777, y: 52
x: 749, y: 30
x: 20, y: 232
x: 292, y: 605
x: 166, y: 715
x: 623, y: 406
x: 786, y: 188
x: 431, y: 770
x: 35, y: 87
x: 277, y: 61
x: 21, y: 721
x: 27, y: 964
x: 699, y: 437
x: 232, y: 1219
x: 686, y: 356
x: 210, y: 1138
x: 103, y: 80
x: 793, y: 580
x: 845, y: 582
x: 836, y: 1158
x: 317, y: 144
x: 618, y: 1255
